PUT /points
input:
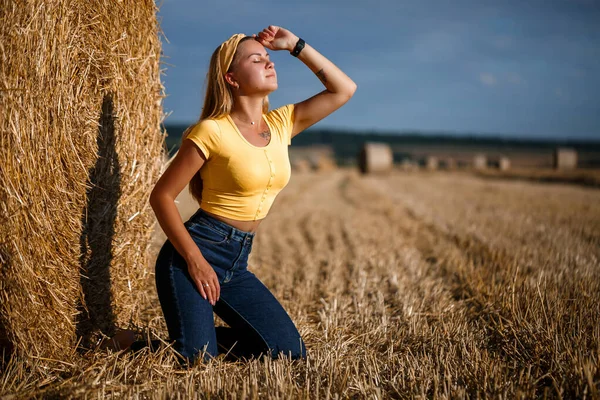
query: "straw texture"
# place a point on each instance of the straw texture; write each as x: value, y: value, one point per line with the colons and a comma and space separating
x: 81, y: 146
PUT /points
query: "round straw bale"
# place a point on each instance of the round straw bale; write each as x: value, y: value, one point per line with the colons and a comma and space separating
x: 301, y: 165
x: 409, y: 165
x: 565, y: 158
x: 504, y: 164
x: 81, y: 149
x: 448, y: 163
x: 480, y: 161
x: 375, y: 157
x: 431, y: 163
x: 324, y: 163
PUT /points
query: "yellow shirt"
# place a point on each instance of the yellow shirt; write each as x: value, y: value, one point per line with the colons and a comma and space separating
x: 240, y: 180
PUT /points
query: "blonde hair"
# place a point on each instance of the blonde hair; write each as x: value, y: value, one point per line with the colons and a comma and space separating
x: 218, y: 102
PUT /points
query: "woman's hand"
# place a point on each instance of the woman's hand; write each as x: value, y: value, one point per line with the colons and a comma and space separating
x: 276, y: 38
x: 202, y: 274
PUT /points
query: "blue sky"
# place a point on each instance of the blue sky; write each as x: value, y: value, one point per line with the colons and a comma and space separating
x: 495, y: 68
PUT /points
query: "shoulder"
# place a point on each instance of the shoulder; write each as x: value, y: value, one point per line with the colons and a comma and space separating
x: 283, y: 115
x: 206, y: 134
x: 203, y: 127
x: 282, y: 119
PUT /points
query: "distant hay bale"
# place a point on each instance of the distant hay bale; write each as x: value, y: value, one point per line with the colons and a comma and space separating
x: 301, y: 165
x: 321, y: 159
x: 565, y: 158
x: 448, y: 163
x: 408, y: 165
x: 504, y: 164
x: 81, y: 147
x: 480, y: 161
x: 431, y: 163
x: 375, y: 157
x: 323, y: 163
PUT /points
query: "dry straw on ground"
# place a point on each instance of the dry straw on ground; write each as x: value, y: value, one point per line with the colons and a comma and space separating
x: 583, y: 177
x: 81, y: 145
x: 409, y: 285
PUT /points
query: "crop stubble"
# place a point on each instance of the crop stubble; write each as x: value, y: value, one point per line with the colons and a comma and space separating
x: 421, y: 284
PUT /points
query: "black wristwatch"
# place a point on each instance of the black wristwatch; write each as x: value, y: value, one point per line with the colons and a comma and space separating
x: 298, y: 48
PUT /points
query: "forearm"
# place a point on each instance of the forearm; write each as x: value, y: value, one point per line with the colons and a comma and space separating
x: 172, y: 225
x: 334, y: 79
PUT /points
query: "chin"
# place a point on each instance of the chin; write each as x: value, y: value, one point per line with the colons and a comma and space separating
x: 270, y: 88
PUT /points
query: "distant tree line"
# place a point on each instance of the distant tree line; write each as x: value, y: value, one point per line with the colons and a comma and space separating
x: 347, y: 144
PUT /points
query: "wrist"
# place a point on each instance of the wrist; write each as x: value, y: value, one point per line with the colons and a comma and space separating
x: 298, y: 47
x: 192, y: 256
x: 292, y: 43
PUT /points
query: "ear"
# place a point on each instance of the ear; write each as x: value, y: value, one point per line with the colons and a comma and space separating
x: 231, y: 80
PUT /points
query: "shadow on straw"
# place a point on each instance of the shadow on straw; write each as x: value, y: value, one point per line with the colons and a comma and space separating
x: 96, y: 316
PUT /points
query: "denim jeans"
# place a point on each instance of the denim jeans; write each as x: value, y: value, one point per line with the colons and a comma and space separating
x: 258, y: 324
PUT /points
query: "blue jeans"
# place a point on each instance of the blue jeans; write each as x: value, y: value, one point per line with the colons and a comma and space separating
x: 258, y: 324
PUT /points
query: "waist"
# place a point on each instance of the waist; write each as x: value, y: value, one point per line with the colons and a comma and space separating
x: 221, y: 226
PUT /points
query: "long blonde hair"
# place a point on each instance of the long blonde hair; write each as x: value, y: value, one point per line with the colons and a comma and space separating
x: 218, y: 102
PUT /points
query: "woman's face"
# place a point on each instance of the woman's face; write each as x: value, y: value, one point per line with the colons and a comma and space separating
x: 252, y: 69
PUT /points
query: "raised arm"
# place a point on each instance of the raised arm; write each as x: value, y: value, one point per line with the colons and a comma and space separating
x: 339, y: 88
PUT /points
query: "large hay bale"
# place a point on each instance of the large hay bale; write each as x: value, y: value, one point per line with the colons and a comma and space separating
x: 504, y: 164
x: 81, y: 147
x: 565, y: 158
x: 480, y: 161
x: 375, y: 157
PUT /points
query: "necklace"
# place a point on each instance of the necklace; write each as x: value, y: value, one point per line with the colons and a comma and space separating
x: 239, y: 119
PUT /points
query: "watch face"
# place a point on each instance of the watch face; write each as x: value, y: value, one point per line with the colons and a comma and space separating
x: 298, y: 48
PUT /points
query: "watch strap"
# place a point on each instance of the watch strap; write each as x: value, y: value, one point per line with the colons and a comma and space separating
x: 298, y: 48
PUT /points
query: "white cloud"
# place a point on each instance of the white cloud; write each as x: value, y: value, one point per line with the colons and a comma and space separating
x: 487, y: 79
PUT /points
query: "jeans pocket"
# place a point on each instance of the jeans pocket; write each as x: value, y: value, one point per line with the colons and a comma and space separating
x: 206, y: 233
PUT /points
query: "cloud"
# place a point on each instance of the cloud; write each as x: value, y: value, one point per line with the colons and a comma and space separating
x: 487, y: 79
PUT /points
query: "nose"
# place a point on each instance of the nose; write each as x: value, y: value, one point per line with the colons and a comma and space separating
x: 270, y: 65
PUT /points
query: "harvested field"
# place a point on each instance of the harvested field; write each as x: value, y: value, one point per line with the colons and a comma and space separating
x: 422, y: 284
x: 584, y: 177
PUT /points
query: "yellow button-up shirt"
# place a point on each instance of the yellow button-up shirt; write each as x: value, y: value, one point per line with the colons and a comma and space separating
x: 240, y: 180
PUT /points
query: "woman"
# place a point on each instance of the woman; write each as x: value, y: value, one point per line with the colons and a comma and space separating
x: 235, y: 160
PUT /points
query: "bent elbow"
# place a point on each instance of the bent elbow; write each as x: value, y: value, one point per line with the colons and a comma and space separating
x: 353, y: 87
x: 350, y: 90
x: 154, y: 198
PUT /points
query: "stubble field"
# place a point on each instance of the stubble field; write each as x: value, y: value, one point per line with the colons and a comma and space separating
x: 420, y: 284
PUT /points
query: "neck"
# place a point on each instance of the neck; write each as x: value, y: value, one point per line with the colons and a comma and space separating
x: 247, y: 109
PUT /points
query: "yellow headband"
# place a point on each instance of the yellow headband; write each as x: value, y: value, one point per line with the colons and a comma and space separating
x: 227, y: 50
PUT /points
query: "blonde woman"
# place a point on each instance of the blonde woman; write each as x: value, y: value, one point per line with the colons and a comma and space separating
x: 235, y: 160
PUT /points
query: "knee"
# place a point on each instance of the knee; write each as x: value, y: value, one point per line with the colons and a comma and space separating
x: 294, y: 350
x: 188, y: 355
